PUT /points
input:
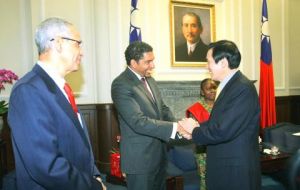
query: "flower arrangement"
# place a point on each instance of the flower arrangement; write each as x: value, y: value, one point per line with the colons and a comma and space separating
x: 6, y: 76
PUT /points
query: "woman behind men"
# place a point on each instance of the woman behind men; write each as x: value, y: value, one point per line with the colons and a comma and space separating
x: 201, y: 111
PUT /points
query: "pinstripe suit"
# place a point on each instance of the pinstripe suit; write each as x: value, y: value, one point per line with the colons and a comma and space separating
x: 145, y: 125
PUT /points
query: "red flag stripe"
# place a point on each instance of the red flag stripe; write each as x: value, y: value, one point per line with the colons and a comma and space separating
x: 267, y: 96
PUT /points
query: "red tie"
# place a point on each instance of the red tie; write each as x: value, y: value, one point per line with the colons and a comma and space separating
x: 71, y: 98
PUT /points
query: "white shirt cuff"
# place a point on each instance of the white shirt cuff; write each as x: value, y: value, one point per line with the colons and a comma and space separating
x: 174, y: 132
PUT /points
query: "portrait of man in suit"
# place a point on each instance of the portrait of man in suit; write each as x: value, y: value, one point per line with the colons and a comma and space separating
x: 192, y: 31
x: 193, y: 49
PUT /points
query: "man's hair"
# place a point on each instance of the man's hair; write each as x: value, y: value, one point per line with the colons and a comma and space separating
x: 226, y: 49
x: 192, y: 14
x: 48, y: 30
x: 136, y: 51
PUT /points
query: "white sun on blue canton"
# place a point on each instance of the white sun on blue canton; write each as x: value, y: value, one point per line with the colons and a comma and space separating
x: 265, y: 29
x: 135, y: 17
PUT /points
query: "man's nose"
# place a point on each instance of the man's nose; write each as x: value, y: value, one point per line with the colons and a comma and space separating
x: 189, y: 28
x: 152, y: 65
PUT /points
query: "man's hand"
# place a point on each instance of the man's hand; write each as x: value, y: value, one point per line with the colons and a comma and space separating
x: 100, y: 181
x: 188, y: 124
x: 183, y: 133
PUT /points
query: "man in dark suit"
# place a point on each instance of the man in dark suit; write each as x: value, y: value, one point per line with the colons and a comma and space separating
x: 193, y: 50
x: 146, y: 123
x: 50, y: 139
x: 231, y: 133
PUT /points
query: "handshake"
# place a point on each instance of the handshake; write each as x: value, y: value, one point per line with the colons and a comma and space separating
x: 186, y: 126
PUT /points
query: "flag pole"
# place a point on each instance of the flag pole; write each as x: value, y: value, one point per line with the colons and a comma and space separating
x: 266, y: 85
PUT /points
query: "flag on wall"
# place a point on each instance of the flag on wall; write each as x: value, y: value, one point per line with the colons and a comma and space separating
x: 135, y: 33
x: 266, y: 85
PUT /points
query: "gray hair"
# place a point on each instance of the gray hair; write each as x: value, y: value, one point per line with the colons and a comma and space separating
x: 48, y: 30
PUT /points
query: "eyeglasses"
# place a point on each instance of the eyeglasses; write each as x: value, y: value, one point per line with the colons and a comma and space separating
x: 79, y: 42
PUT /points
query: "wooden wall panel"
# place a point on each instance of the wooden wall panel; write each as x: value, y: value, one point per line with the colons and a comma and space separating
x: 283, y: 109
x: 102, y: 123
x: 295, y: 109
x: 108, y: 129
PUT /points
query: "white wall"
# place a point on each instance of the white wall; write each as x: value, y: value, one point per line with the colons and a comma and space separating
x: 104, y: 26
x: 294, y: 46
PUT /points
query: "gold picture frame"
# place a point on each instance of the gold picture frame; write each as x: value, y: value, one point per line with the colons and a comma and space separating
x: 206, y: 13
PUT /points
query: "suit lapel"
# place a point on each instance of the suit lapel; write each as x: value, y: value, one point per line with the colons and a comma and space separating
x: 156, y: 95
x: 62, y: 101
x: 228, y: 86
x: 153, y: 88
x: 185, y: 50
x: 140, y: 86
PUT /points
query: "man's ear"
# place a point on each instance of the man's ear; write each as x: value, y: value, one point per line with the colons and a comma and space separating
x: 224, y: 63
x: 57, y: 45
x: 133, y: 63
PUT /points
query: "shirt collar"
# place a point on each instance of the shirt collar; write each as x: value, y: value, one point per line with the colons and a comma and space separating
x: 225, y: 80
x: 136, y: 74
x: 191, y: 46
x: 59, y: 81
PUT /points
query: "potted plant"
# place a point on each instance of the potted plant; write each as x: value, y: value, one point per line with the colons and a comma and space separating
x: 6, y: 76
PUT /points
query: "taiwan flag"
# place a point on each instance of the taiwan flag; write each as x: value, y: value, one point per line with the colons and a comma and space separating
x: 135, y: 33
x: 266, y: 86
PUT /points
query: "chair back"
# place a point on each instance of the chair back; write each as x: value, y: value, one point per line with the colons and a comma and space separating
x: 294, y: 171
x: 283, y: 136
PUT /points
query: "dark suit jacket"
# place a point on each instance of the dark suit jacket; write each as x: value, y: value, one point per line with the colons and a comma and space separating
x: 145, y: 125
x: 231, y: 136
x: 198, y: 55
x: 51, y: 149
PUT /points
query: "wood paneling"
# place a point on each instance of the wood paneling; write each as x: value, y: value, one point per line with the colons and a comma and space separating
x: 283, y: 105
x: 288, y: 109
x: 108, y: 130
x: 102, y: 123
x: 5, y: 136
x: 295, y: 109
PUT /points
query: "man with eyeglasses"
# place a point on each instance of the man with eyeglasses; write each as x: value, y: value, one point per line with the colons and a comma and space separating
x: 50, y: 139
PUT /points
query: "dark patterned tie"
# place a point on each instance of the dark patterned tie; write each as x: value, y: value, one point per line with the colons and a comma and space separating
x: 71, y: 98
x: 146, y: 87
x: 190, y: 52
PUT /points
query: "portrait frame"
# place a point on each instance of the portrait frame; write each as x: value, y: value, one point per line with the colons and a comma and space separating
x: 206, y: 12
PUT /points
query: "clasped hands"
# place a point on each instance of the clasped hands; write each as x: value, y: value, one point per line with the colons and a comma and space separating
x: 186, y: 126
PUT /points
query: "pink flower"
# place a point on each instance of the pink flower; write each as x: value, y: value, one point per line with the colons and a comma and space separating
x: 6, y: 76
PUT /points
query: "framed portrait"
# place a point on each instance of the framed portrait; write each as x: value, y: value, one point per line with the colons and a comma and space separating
x: 192, y: 29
